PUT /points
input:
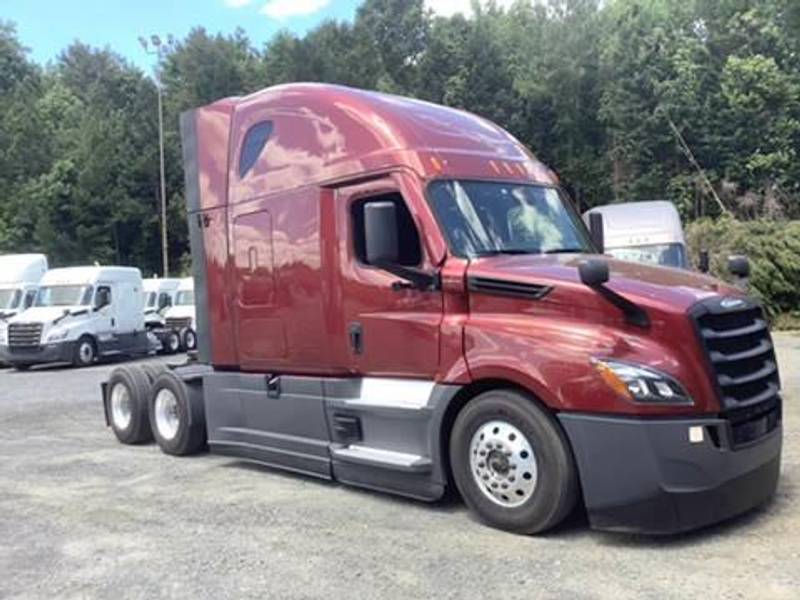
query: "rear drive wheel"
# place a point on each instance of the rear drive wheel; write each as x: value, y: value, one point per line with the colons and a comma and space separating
x: 172, y: 344
x: 189, y: 339
x: 169, y: 417
x: 512, y: 464
x: 128, y: 390
x: 152, y: 371
x: 85, y: 352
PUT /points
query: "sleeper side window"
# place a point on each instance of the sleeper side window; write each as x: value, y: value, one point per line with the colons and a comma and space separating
x: 254, y: 141
x: 410, y: 254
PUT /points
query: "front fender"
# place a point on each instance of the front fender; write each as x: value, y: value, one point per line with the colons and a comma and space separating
x: 552, y: 358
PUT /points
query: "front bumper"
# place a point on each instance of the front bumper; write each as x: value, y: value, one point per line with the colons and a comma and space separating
x: 30, y: 355
x: 648, y: 476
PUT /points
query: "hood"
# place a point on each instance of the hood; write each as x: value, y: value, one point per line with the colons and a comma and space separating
x: 662, y: 288
x: 44, y: 314
x: 180, y: 311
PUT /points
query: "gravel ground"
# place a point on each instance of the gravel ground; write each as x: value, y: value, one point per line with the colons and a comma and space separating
x: 83, y: 516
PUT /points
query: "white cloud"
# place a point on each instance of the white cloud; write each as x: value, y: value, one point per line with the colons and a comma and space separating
x: 447, y: 8
x: 282, y: 9
x: 237, y: 3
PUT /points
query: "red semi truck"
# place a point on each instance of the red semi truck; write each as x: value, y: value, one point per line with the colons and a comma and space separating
x: 398, y: 296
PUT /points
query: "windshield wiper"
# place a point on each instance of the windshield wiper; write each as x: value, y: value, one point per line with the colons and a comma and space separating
x: 564, y: 251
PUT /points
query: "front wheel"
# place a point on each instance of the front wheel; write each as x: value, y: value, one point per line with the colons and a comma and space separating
x: 85, y: 352
x: 512, y: 464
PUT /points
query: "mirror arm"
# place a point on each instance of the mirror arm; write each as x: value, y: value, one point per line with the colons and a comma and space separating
x: 420, y: 279
x: 634, y: 314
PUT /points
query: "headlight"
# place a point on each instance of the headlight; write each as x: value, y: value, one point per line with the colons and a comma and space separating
x: 57, y: 334
x: 641, y: 384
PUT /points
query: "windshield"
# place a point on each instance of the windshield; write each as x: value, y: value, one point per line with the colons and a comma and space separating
x: 64, y: 295
x: 482, y: 218
x: 668, y: 255
x: 9, y: 299
x: 185, y: 298
x: 149, y: 299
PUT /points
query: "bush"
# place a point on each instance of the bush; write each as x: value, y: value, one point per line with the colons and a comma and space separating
x: 773, y: 248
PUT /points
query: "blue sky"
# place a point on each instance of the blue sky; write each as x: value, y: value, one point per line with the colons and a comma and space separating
x: 47, y: 26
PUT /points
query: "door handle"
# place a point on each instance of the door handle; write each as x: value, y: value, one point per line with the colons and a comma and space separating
x: 356, y: 335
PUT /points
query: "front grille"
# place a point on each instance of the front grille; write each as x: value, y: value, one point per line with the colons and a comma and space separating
x: 178, y: 322
x: 24, y: 335
x: 739, y: 348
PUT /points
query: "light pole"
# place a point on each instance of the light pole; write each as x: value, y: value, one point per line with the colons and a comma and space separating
x: 156, y: 42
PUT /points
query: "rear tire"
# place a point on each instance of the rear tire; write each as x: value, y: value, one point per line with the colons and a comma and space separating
x: 85, y: 352
x: 512, y: 464
x: 189, y: 339
x: 169, y: 417
x: 152, y: 371
x: 127, y: 406
x: 172, y: 343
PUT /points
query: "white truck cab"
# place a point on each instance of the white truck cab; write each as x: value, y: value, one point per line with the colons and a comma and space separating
x: 159, y: 296
x: 648, y: 232
x: 179, y: 319
x: 19, y: 279
x: 79, y: 315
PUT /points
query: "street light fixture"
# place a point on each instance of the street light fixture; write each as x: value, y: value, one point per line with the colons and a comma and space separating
x: 158, y: 51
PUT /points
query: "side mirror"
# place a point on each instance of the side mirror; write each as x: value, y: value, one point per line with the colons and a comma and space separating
x: 380, y: 233
x: 704, y: 264
x: 739, y: 266
x: 593, y: 272
x: 596, y: 231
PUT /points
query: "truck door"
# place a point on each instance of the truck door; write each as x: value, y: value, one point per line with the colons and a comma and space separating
x: 104, y: 318
x: 391, y: 328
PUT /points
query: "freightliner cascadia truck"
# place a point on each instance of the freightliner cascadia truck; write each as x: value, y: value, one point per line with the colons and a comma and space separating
x: 398, y: 296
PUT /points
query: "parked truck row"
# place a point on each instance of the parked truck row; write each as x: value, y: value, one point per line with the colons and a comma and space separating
x: 78, y: 315
x: 399, y: 296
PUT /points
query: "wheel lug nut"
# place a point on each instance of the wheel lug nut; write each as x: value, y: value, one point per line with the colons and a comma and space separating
x: 513, y: 466
x: 481, y: 464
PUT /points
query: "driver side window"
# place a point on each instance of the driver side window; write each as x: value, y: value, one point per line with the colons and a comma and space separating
x: 102, y: 297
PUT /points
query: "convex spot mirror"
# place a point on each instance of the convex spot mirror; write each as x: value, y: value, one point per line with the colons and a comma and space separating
x: 380, y: 233
x: 739, y: 266
x: 593, y: 272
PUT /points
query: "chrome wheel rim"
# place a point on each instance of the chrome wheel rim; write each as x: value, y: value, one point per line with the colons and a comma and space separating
x: 503, y: 463
x: 167, y: 418
x: 120, y: 406
x: 86, y: 352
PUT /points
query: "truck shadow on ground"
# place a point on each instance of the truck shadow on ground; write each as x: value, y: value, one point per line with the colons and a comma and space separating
x: 576, y: 525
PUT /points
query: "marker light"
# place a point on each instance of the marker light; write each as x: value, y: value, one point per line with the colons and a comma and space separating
x: 641, y: 384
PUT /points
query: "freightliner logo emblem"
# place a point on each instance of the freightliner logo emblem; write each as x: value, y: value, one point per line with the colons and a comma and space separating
x: 728, y: 303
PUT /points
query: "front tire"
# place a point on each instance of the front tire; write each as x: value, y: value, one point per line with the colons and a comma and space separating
x: 85, y: 352
x: 512, y: 464
x: 169, y: 417
x: 128, y: 391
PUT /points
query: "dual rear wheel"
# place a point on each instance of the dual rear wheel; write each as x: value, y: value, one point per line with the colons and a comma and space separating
x: 151, y: 402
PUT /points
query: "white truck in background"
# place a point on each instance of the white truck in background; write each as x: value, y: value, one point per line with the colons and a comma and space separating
x: 79, y: 314
x: 179, y: 320
x: 647, y: 232
x: 159, y: 296
x: 19, y: 279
